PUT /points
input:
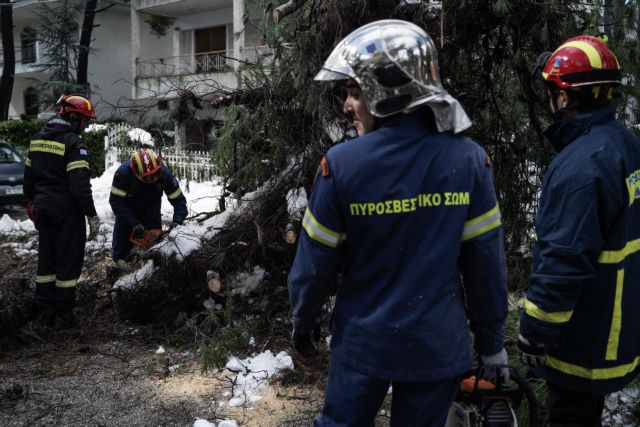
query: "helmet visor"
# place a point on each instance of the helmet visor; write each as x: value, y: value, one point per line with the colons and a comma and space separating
x: 336, y: 67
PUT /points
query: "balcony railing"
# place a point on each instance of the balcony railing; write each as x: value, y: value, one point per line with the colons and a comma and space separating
x: 196, y: 63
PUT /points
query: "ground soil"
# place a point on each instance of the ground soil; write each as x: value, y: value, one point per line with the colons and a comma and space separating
x: 106, y: 372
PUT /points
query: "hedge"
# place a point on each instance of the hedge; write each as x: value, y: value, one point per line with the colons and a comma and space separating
x: 18, y: 133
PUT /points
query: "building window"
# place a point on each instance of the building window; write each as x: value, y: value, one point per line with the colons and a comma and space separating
x: 31, y: 103
x: 28, y: 40
x: 211, y: 45
x: 163, y: 104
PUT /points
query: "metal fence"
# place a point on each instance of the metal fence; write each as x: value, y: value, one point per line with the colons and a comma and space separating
x: 185, y: 164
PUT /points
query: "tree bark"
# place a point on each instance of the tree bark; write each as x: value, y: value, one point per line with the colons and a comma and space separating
x: 85, y: 43
x: 8, y: 56
x: 287, y: 8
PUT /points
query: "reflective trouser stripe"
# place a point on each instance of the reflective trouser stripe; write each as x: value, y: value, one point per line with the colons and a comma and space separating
x: 27, y: 162
x: 481, y: 224
x: 593, y: 373
x: 46, y: 279
x: 616, y: 321
x: 66, y: 283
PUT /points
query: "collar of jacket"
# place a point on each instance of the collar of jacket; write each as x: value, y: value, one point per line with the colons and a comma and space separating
x: 564, y: 132
x: 416, y: 118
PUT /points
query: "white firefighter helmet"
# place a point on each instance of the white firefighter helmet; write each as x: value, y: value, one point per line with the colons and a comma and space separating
x: 396, y: 65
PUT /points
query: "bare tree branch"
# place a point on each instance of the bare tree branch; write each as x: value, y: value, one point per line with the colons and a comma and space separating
x: 286, y: 9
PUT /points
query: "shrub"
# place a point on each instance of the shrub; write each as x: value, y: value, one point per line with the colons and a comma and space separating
x: 19, y: 132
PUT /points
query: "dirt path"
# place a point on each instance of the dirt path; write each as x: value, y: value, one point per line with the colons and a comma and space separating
x: 72, y: 380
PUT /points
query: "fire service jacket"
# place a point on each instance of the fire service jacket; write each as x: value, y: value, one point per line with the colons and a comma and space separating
x: 408, y: 216
x: 582, y: 300
x: 56, y: 176
x: 136, y: 202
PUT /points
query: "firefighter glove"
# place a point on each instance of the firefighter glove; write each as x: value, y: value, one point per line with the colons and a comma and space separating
x: 31, y: 211
x: 532, y: 355
x: 138, y: 232
x: 94, y: 227
x: 494, y: 365
x: 303, y: 344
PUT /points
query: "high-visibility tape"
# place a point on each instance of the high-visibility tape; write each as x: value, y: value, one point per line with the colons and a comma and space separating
x: 66, y: 283
x: 78, y: 164
x: 481, y: 224
x: 546, y: 316
x: 118, y: 192
x: 319, y: 232
x: 27, y: 162
x: 175, y: 194
x: 593, y: 373
x: 44, y: 146
x: 46, y: 279
x: 615, y: 257
x: 616, y: 320
x: 595, y: 60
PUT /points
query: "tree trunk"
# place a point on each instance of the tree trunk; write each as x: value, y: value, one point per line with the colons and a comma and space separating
x: 85, y: 42
x: 8, y: 56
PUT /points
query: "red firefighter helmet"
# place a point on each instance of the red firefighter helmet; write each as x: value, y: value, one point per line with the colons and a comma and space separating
x: 146, y: 165
x: 75, y: 104
x: 582, y: 61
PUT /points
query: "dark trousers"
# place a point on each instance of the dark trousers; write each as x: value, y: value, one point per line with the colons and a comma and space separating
x: 570, y: 408
x: 353, y: 399
x: 62, y: 238
x: 121, y: 245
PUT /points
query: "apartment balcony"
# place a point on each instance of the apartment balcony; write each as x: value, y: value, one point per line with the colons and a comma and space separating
x: 176, y: 8
x: 197, y: 72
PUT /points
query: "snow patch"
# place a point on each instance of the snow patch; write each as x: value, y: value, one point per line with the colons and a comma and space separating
x: 203, y: 423
x: 9, y: 226
x: 133, y: 279
x: 296, y: 203
x: 253, y: 375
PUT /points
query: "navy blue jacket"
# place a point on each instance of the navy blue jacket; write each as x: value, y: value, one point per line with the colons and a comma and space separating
x: 56, y: 176
x: 409, y: 216
x: 136, y: 202
x: 583, y: 294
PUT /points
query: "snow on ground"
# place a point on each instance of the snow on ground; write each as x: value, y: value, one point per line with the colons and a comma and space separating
x: 11, y: 227
x: 253, y: 374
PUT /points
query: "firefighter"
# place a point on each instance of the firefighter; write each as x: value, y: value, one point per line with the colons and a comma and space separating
x: 136, y: 199
x: 580, y: 321
x: 56, y: 182
x: 408, y: 213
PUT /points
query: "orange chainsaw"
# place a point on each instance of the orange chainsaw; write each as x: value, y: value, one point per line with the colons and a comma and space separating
x: 150, y: 238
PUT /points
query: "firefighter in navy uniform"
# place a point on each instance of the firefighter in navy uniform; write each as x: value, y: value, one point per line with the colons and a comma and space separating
x: 581, y: 320
x: 136, y: 198
x: 56, y: 182
x: 408, y: 213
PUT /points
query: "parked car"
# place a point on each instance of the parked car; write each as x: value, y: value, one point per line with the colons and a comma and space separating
x: 11, y: 175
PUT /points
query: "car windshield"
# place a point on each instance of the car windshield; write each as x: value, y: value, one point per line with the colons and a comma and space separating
x: 9, y: 155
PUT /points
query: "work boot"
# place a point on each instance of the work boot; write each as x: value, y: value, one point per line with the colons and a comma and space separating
x: 42, y: 324
x: 64, y: 321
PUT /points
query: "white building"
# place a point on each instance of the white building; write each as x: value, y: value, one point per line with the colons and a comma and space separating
x: 109, y: 72
x: 204, y: 48
x: 203, y: 52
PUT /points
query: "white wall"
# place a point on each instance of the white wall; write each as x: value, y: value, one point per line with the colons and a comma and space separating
x: 110, y: 72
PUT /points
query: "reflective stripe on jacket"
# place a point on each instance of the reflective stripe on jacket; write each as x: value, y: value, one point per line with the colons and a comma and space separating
x: 583, y: 295
x: 404, y: 213
x: 56, y: 175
